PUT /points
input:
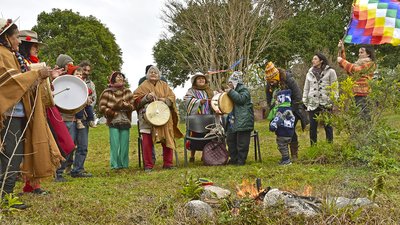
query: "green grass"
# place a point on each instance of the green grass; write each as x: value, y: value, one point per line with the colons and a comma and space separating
x: 132, y: 196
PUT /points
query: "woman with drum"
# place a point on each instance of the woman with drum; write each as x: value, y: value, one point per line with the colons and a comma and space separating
x: 278, y: 79
x: 21, y: 108
x: 153, y: 99
x: 240, y: 121
x: 197, y: 102
x: 29, y: 49
x: 116, y: 103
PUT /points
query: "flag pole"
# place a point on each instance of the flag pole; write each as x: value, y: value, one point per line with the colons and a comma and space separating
x: 340, y: 49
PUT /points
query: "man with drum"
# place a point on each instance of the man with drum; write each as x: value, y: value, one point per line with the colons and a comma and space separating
x: 155, y: 129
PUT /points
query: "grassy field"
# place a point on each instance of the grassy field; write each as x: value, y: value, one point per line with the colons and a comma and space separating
x: 132, y: 196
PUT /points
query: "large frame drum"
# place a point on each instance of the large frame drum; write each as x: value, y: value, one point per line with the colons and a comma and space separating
x: 222, y: 103
x: 157, y: 113
x: 70, y: 94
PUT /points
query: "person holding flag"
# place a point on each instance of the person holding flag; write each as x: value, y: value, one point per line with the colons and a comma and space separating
x: 362, y: 70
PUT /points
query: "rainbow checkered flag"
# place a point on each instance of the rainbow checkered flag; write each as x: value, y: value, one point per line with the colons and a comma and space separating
x: 374, y: 22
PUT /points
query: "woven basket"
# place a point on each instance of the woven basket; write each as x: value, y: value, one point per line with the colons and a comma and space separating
x: 215, y: 154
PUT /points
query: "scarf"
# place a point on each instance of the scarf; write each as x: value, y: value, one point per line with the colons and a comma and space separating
x: 33, y: 59
x: 21, y: 62
x: 117, y: 85
x: 360, y: 62
x: 205, y: 88
x: 317, y: 72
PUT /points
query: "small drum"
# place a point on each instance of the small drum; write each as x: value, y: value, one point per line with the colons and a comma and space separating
x: 157, y: 113
x: 46, y: 96
x: 70, y: 94
x: 222, y: 103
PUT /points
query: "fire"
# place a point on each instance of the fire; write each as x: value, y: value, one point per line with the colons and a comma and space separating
x: 246, y: 189
x: 307, y: 190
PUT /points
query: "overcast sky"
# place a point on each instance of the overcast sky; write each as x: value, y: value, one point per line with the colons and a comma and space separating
x: 136, y: 24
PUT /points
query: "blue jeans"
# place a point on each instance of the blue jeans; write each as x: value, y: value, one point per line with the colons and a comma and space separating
x: 72, y: 131
x: 89, y: 111
x: 82, y: 139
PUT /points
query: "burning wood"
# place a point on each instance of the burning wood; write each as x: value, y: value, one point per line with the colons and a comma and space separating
x: 249, y: 190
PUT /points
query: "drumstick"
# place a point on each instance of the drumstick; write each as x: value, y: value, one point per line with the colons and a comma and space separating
x: 66, y: 89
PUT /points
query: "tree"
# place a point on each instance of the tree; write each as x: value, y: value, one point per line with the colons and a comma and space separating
x: 83, y: 38
x: 214, y: 34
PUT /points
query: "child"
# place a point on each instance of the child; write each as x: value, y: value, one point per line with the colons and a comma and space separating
x: 283, y: 124
x: 88, y: 108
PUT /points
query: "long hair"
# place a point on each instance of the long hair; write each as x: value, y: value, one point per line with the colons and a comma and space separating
x: 282, y: 78
x: 9, y: 32
x: 370, y: 51
x: 324, y: 60
x: 25, y: 49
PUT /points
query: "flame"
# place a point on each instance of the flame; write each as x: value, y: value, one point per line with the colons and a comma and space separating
x: 246, y: 189
x: 307, y: 190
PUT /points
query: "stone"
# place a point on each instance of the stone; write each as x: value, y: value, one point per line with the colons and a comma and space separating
x: 199, y: 210
x: 211, y: 192
x: 307, y: 206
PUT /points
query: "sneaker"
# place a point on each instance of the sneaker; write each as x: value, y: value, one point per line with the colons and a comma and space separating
x: 79, y: 125
x: 39, y: 191
x: 81, y: 174
x: 21, y: 206
x: 68, y: 169
x: 92, y: 124
x: 60, y: 178
x: 169, y: 167
x: 285, y: 162
x: 148, y: 170
x: 191, y: 159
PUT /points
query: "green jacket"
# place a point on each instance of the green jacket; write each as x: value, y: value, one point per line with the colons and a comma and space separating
x: 242, y: 116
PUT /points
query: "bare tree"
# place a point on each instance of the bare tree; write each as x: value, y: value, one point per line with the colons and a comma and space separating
x: 219, y: 33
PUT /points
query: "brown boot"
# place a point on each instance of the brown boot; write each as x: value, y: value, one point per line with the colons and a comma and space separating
x: 294, y: 149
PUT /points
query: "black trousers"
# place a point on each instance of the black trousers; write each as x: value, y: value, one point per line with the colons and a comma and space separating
x: 238, y: 146
x: 10, y: 139
x: 314, y: 127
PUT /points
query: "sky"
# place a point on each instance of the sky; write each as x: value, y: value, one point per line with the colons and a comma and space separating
x: 136, y: 24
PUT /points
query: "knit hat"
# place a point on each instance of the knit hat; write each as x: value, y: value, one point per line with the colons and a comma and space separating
x: 5, y: 24
x: 29, y: 36
x: 156, y: 69
x: 63, y: 60
x: 71, y: 69
x: 236, y: 78
x: 196, y: 75
x: 283, y: 96
x: 271, y: 72
x: 147, y: 68
x: 111, y: 79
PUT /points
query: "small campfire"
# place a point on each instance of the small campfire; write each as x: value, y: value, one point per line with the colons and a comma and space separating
x: 248, y: 190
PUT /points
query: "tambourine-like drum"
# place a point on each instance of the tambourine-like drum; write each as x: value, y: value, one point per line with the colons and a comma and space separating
x: 70, y: 94
x: 157, y: 113
x: 222, y: 103
x: 46, y: 93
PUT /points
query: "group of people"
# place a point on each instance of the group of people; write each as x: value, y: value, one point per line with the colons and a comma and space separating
x: 40, y: 141
x: 321, y: 87
x: 36, y: 139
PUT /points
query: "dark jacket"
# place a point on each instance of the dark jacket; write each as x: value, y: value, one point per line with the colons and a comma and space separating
x: 242, y: 116
x: 297, y: 104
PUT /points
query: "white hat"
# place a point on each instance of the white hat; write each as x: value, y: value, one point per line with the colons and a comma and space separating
x: 198, y: 74
x: 5, y: 24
